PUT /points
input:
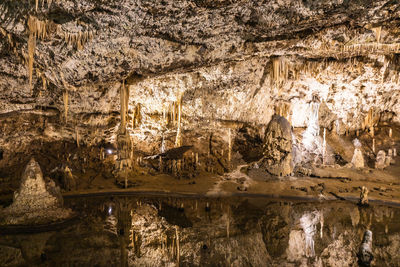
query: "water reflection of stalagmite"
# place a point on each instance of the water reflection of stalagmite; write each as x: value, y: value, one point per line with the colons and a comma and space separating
x: 309, y: 223
x: 124, y: 226
x: 365, y: 255
x: 177, y: 245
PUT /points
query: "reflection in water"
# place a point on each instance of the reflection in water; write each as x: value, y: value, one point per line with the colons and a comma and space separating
x: 151, y: 231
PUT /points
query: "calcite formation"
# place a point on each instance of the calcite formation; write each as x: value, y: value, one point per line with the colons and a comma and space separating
x: 381, y: 161
x: 278, y: 147
x: 35, y: 202
x: 358, y: 160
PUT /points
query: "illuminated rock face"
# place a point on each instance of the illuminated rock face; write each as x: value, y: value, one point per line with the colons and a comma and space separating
x: 218, y: 58
x: 35, y: 202
x: 278, y: 147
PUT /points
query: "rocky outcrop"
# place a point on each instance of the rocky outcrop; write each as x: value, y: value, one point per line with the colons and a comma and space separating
x: 278, y: 147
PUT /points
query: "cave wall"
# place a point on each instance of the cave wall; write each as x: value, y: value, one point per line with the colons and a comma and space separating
x: 234, y: 61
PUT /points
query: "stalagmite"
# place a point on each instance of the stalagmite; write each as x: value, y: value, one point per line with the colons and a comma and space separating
x: 364, y: 196
x: 390, y: 133
x: 358, y: 159
x: 381, y: 160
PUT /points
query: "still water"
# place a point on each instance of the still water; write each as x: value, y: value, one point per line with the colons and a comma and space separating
x: 192, y: 231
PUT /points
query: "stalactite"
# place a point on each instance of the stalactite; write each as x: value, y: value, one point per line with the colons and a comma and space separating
x: 229, y: 145
x: 377, y: 31
x: 178, y: 141
x: 37, y: 29
x: 124, y: 99
x: 65, y: 98
x: 324, y: 147
x: 283, y: 109
x: 31, y: 52
x: 137, y: 116
x: 77, y: 136
x: 370, y: 119
x: 373, y: 145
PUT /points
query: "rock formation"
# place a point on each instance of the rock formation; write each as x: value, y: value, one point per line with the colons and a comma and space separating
x: 381, y: 161
x: 363, y: 201
x: 33, y: 203
x: 278, y: 147
x: 358, y: 160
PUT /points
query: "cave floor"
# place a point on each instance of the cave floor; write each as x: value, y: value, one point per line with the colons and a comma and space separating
x: 327, y: 183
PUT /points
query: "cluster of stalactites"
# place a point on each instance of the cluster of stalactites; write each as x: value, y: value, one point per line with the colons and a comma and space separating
x: 370, y: 120
x: 38, y: 27
x: 280, y: 70
x: 77, y: 39
x: 9, y: 38
x: 37, y: 30
x: 171, y: 116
